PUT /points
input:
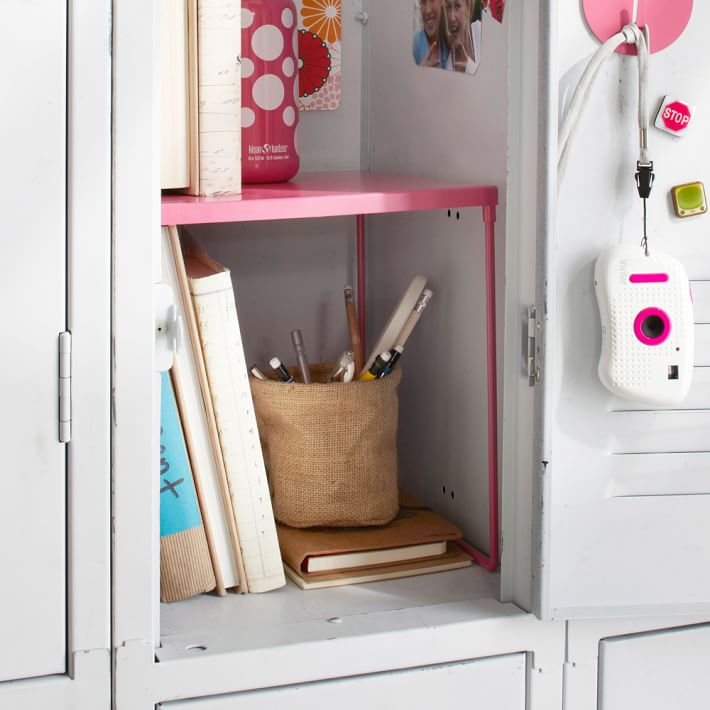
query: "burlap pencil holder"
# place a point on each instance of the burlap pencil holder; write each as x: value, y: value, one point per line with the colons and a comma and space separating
x: 330, y: 449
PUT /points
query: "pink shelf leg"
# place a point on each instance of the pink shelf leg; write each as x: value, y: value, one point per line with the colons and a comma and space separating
x: 491, y: 561
x: 361, y: 279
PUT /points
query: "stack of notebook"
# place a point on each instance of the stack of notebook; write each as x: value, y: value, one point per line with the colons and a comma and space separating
x: 417, y: 541
x: 217, y: 420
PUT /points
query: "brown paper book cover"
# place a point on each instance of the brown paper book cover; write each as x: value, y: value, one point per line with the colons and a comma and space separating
x: 415, y: 526
x: 453, y: 558
x: 185, y: 563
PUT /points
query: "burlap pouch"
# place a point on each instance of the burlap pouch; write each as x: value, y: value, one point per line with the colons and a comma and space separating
x: 330, y: 449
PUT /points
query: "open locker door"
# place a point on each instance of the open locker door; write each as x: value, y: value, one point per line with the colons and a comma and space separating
x: 622, y: 516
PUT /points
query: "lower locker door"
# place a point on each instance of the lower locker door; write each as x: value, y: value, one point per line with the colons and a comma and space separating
x: 33, y: 279
x: 656, y: 671
x: 486, y: 684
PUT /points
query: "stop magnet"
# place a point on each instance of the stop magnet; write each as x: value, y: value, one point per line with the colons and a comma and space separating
x: 674, y: 116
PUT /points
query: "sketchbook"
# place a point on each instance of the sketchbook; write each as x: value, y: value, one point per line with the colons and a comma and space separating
x: 202, y: 439
x: 220, y: 336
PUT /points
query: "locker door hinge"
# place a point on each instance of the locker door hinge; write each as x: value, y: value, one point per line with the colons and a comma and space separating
x: 65, y: 386
x: 534, y: 373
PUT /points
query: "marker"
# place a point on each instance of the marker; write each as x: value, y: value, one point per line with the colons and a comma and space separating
x: 377, y: 368
x: 396, y: 353
x: 300, y: 348
x: 281, y: 372
x: 345, y: 367
x: 254, y: 369
x: 398, y: 350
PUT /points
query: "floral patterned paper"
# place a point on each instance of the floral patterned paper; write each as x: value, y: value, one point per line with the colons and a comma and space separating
x: 319, y: 51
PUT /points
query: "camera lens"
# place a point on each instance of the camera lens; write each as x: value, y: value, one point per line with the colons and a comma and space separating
x: 652, y: 327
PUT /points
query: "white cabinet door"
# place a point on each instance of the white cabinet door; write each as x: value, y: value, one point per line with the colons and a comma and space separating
x: 486, y: 684
x: 33, y: 276
x: 656, y: 671
x: 623, y: 509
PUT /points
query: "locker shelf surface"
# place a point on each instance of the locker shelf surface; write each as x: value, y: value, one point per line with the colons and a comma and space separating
x: 327, y: 194
x: 240, y: 621
x: 214, y: 644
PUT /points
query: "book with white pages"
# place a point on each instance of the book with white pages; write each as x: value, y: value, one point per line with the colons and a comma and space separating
x: 174, y: 95
x: 372, y: 558
x: 219, y: 84
x: 200, y: 429
x: 218, y: 324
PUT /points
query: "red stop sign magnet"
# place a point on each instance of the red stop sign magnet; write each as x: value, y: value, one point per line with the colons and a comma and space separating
x: 674, y: 116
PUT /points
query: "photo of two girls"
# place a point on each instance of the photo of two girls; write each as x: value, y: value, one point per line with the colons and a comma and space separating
x: 448, y: 33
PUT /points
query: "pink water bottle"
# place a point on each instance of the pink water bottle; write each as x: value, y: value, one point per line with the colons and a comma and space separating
x: 269, y: 90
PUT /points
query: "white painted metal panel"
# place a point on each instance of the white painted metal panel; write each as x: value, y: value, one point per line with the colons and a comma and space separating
x: 431, y: 123
x: 33, y: 276
x: 486, y: 684
x: 89, y: 319
x: 583, y: 647
x: 617, y: 486
x: 656, y: 671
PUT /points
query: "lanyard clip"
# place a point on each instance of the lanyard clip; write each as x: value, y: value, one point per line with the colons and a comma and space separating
x: 644, y: 178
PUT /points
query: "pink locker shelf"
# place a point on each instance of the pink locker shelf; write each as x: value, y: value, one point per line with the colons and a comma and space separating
x: 328, y: 194
x: 334, y: 194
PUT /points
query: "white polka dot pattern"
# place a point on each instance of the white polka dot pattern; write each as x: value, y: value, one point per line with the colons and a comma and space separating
x: 269, y: 91
x: 267, y: 42
x: 247, y: 68
x: 247, y: 18
x: 248, y: 117
x: 287, y: 18
x: 288, y: 66
x: 289, y: 115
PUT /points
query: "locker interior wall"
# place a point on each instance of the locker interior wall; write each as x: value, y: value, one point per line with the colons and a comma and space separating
x: 414, y: 121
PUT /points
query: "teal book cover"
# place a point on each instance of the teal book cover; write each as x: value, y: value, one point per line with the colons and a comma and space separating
x: 179, y: 509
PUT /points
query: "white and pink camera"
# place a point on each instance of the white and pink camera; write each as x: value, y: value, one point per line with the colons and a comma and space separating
x: 646, y: 313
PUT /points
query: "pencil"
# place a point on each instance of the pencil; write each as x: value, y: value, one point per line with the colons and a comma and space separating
x: 413, y: 317
x: 353, y: 327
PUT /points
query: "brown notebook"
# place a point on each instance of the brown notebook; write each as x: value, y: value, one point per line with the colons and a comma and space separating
x: 453, y: 558
x: 417, y: 540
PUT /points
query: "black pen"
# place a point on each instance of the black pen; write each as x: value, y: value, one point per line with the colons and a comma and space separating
x: 282, y: 373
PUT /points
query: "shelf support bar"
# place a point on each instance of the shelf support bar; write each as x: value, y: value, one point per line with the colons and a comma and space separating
x: 491, y: 561
x: 361, y: 280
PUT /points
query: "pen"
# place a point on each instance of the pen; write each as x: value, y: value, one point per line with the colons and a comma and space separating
x: 414, y: 316
x: 282, y: 373
x: 254, y: 369
x: 353, y: 327
x: 345, y: 366
x: 377, y: 368
x: 300, y: 348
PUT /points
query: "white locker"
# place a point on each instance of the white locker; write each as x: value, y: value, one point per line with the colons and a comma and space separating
x: 595, y: 493
x: 55, y: 187
x: 620, y: 491
x: 33, y: 274
x: 489, y: 684
x: 655, y: 670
